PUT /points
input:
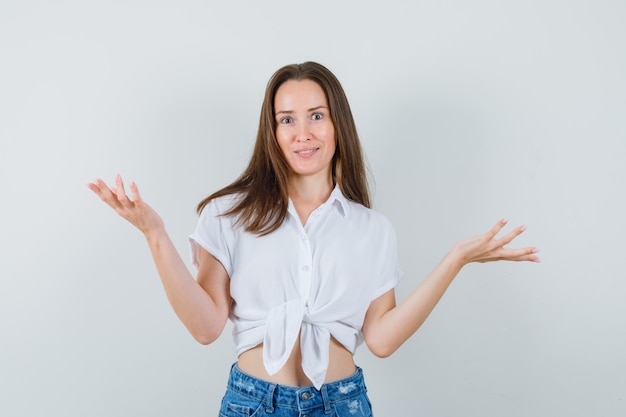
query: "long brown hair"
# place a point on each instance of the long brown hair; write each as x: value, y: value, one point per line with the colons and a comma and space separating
x: 262, y: 207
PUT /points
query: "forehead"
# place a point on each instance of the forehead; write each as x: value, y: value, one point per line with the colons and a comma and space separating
x: 294, y: 94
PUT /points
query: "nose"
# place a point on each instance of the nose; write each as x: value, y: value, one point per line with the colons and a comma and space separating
x: 303, y: 133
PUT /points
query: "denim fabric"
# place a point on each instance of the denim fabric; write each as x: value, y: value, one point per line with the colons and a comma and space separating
x: 248, y: 396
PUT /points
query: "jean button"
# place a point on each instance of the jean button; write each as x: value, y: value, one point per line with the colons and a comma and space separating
x: 306, y: 396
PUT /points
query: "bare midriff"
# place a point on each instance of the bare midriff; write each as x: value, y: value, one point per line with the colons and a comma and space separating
x: 340, y: 365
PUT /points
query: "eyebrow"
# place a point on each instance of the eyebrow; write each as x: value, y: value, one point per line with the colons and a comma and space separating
x: 292, y: 111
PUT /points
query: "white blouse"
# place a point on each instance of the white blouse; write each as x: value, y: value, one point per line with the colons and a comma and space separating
x: 318, y: 279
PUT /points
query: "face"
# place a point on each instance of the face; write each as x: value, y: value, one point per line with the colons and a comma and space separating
x: 304, y: 129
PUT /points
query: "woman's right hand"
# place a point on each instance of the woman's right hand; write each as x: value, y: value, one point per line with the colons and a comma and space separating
x: 136, y: 211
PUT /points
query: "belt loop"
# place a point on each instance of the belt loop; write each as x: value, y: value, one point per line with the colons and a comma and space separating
x: 325, y: 399
x: 269, y: 399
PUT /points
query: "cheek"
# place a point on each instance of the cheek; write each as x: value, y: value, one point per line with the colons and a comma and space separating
x: 281, y: 140
x: 327, y: 132
x: 332, y: 137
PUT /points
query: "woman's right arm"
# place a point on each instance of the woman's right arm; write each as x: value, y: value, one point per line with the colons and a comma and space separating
x: 202, y: 305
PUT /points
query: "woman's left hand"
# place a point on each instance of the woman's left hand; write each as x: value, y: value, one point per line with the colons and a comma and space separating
x: 486, y: 248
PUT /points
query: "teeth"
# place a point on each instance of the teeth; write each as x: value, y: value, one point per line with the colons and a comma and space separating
x: 306, y: 152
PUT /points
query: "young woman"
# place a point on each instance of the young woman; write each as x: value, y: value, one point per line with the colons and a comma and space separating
x: 294, y: 256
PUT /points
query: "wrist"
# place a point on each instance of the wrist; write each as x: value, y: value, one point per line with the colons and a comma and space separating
x: 456, y: 258
x: 155, y: 234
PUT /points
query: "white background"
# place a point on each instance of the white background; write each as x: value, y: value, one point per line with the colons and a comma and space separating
x: 468, y: 112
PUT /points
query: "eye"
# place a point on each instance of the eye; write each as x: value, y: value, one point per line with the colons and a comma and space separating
x: 317, y: 116
x: 286, y: 120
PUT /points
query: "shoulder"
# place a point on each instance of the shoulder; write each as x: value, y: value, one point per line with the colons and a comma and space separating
x: 368, y: 217
x: 360, y: 211
x: 219, y: 205
x: 216, y: 213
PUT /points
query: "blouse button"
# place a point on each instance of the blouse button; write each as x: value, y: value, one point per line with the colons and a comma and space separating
x: 305, y: 268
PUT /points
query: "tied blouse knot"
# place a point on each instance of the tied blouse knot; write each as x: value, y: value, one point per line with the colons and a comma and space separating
x: 316, y: 280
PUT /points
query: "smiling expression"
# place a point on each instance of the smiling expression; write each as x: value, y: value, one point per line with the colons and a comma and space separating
x: 304, y: 128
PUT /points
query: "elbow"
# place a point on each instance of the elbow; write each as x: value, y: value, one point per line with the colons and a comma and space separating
x: 207, y: 332
x: 206, y: 336
x: 381, y: 348
x: 382, y: 353
x: 204, y: 340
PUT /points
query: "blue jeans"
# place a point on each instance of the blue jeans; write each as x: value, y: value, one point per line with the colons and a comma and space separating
x: 249, y: 396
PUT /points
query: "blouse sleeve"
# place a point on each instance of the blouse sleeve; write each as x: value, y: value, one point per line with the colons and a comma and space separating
x: 211, y: 234
x: 390, y: 273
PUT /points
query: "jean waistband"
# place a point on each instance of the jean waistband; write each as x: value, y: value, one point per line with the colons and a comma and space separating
x: 299, y: 397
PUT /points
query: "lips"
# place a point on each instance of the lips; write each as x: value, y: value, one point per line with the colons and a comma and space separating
x: 305, y: 153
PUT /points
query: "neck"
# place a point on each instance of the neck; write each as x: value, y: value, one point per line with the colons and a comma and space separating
x: 310, y: 190
x: 308, y: 193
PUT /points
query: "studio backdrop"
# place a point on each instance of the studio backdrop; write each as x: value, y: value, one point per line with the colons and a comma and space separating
x: 468, y: 112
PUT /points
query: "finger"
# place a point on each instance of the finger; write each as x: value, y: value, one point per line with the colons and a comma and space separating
x: 533, y: 256
x: 496, y: 229
x: 135, y: 192
x: 508, y: 238
x: 524, y: 254
x: 102, y: 189
x: 120, y: 192
x: 104, y: 192
x: 93, y: 186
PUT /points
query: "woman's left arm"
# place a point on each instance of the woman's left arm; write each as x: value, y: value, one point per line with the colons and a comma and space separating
x: 387, y: 325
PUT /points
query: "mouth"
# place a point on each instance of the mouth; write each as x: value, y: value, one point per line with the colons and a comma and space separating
x: 306, y: 152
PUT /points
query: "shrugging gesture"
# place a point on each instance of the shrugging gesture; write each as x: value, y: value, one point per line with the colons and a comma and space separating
x: 136, y: 211
x: 388, y: 326
x: 486, y: 248
x: 297, y: 235
x: 202, y: 304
